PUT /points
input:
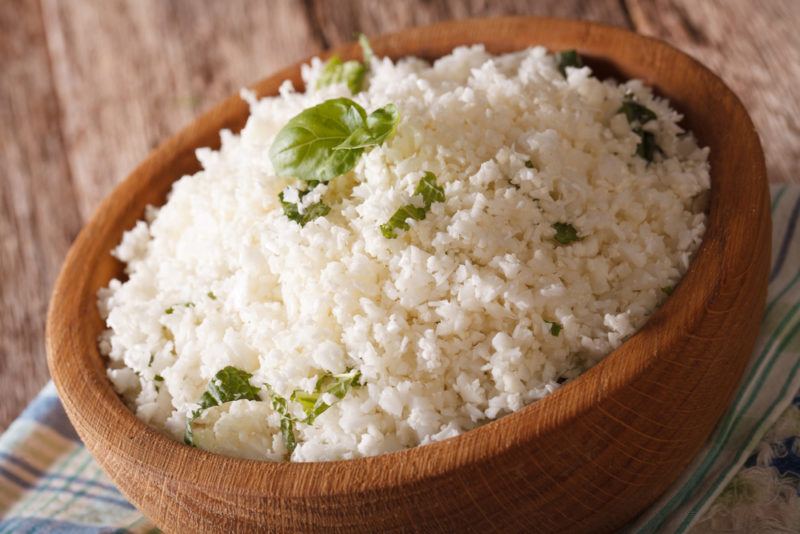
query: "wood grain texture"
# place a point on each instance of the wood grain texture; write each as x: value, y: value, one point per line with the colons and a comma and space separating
x: 130, y: 74
x: 338, y: 22
x: 755, y: 48
x: 38, y: 215
x: 587, y: 458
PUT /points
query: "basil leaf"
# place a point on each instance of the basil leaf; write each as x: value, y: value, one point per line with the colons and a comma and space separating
x: 565, y: 233
x: 555, y: 328
x: 292, y: 211
x: 430, y: 192
x: 350, y: 72
x: 568, y: 58
x: 336, y: 385
x: 381, y: 124
x: 366, y: 48
x: 228, y: 385
x: 306, y: 147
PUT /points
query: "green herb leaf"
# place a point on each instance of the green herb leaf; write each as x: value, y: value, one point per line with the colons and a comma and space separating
x: 555, y: 328
x: 529, y: 164
x: 638, y: 115
x: 211, y: 295
x: 280, y: 405
x: 228, y: 385
x: 335, y: 71
x: 312, y: 211
x: 635, y: 112
x: 568, y: 58
x: 565, y: 233
x: 647, y: 146
x: 366, y: 48
x: 381, y: 125
x: 336, y: 385
x: 430, y: 192
x: 326, y: 141
x: 158, y: 378
x: 169, y: 311
x: 668, y: 290
x: 152, y: 357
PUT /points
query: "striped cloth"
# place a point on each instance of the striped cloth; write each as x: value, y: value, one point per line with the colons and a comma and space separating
x: 49, y: 482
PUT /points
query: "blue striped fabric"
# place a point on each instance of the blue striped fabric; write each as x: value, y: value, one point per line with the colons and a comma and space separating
x: 50, y: 483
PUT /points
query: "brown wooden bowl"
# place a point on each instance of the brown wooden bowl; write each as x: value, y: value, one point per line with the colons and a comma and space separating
x: 588, y: 458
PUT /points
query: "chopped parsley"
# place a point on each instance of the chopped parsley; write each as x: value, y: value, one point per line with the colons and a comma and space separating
x: 158, y: 378
x: 565, y: 233
x: 430, y: 191
x: 568, y: 58
x: 211, y: 295
x: 228, y: 385
x: 529, y: 164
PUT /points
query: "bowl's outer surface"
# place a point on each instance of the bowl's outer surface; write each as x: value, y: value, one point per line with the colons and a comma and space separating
x: 587, y: 458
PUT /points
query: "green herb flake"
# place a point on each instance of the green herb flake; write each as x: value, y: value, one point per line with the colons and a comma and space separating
x: 336, y: 385
x: 565, y: 233
x: 668, y: 290
x: 280, y: 405
x: 568, y: 58
x: 170, y: 310
x: 647, y: 146
x: 152, y: 357
x: 211, y: 295
x: 639, y: 115
x: 158, y: 378
x: 312, y: 211
x: 430, y: 191
x: 228, y: 385
x: 366, y: 49
x: 327, y: 140
x: 555, y: 328
x: 336, y: 71
x: 529, y: 164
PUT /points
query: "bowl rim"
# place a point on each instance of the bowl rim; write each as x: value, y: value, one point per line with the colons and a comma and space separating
x: 81, y: 387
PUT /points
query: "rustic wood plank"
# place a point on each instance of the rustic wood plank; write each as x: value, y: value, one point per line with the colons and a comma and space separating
x: 129, y: 74
x: 38, y: 212
x: 339, y: 21
x: 755, y: 48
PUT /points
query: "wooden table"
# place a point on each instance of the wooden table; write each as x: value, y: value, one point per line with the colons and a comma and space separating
x: 90, y: 86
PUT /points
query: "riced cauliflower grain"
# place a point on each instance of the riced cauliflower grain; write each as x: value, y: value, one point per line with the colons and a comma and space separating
x: 473, y: 313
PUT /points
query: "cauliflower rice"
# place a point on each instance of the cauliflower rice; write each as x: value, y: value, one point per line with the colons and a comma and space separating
x: 471, y: 314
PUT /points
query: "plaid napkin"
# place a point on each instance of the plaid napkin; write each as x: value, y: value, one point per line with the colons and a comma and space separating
x: 746, y: 478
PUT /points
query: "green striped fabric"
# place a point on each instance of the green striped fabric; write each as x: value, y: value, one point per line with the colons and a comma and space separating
x: 50, y: 483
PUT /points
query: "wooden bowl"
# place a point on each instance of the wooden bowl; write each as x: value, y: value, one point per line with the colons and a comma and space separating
x: 588, y: 458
